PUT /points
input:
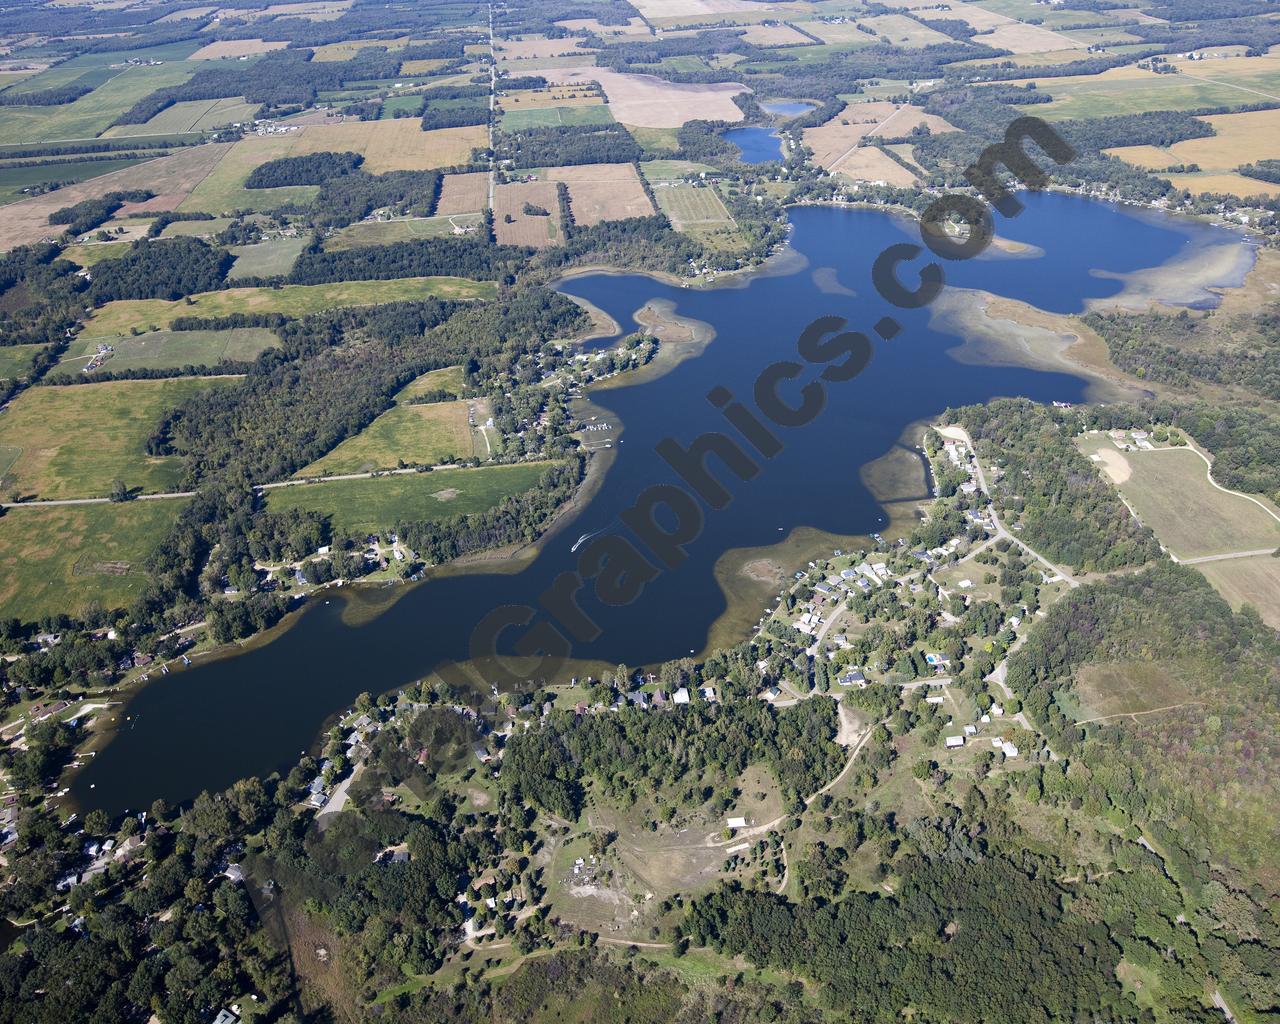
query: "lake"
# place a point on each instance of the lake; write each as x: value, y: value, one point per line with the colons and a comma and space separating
x: 784, y: 108
x: 250, y: 714
x: 757, y: 145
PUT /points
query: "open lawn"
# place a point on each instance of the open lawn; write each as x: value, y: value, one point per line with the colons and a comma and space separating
x: 1254, y: 581
x: 167, y: 350
x: 90, y: 254
x: 402, y: 229
x: 512, y: 226
x: 15, y: 360
x: 291, y: 299
x: 414, y: 434
x: 93, y: 113
x: 1171, y: 493
x: 191, y: 116
x: 378, y: 503
x: 61, y: 560
x: 75, y: 441
x: 399, y: 144
x: 266, y: 259
x: 600, y: 192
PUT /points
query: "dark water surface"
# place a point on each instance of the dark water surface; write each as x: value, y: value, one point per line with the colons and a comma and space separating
x: 254, y: 713
x: 757, y: 145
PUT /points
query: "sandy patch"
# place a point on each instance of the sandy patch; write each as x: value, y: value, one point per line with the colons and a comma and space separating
x: 448, y: 494
x: 28, y: 221
x: 235, y: 48
x: 1115, y: 465
x: 1186, y: 280
x: 648, y: 102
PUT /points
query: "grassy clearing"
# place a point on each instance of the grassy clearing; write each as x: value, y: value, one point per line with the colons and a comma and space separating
x: 90, y: 254
x: 1129, y: 687
x: 378, y: 503
x: 401, y: 230
x: 447, y: 379
x: 74, y: 441
x: 168, y: 350
x: 544, y: 117
x: 15, y: 360
x: 59, y: 560
x: 1171, y: 493
x: 117, y: 318
x: 1254, y: 581
x: 266, y: 259
x: 415, y: 434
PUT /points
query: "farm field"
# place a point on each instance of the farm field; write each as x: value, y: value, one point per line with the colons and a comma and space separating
x: 62, y: 560
x: 869, y: 163
x: 233, y: 48
x: 168, y: 350
x: 463, y: 193
x: 90, y: 254
x: 376, y: 503
x: 775, y: 35
x: 72, y: 442
x: 529, y: 47
x: 291, y: 299
x: 196, y: 228
x: 904, y: 31
x: 448, y: 378
x: 512, y: 226
x: 547, y: 117
x: 171, y: 177
x: 265, y: 259
x: 222, y: 189
x: 399, y: 144
x: 1242, y: 581
x: 416, y: 434
x: 402, y: 229
x: 599, y: 192
x: 686, y: 204
x: 190, y: 116
x: 1170, y: 492
x: 553, y: 96
x: 13, y: 180
x: 15, y: 360
x: 650, y: 102
x: 93, y: 113
x: 837, y: 139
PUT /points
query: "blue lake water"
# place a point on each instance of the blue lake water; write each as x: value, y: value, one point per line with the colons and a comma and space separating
x: 783, y: 109
x: 204, y: 727
x: 757, y: 145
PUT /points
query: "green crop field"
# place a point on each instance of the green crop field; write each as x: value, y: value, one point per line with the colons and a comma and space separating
x: 89, y: 254
x: 73, y: 442
x: 292, y: 299
x: 515, y: 120
x: 416, y: 434
x: 266, y: 259
x: 14, y: 179
x: 690, y: 204
x: 377, y: 503
x: 15, y: 360
x: 90, y: 115
x: 168, y: 350
x: 63, y: 559
x: 191, y: 116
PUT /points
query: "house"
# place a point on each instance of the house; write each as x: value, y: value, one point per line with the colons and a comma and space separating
x: 853, y: 679
x: 709, y: 694
x: 735, y: 823
x: 681, y: 696
x: 1009, y: 749
x: 773, y: 693
x: 226, y: 1017
x: 971, y: 730
x: 482, y: 753
x: 954, y: 741
x: 937, y: 660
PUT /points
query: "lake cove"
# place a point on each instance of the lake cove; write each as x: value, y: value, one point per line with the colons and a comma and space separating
x: 756, y: 145
x: 254, y: 712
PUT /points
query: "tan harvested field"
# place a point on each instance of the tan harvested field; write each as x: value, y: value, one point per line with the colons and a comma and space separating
x: 398, y: 144
x: 315, y: 10
x: 422, y: 67
x: 634, y: 27
x: 172, y: 178
x: 603, y: 192
x: 904, y: 31
x: 1254, y: 581
x: 532, y: 47
x: 838, y: 139
x: 695, y: 10
x: 235, y: 48
x: 463, y: 193
x: 1239, y: 139
x: 1020, y: 38
x: 837, y: 33
x: 509, y: 200
x: 649, y: 102
x: 555, y: 96
x: 352, y: 47
x: 775, y: 35
x: 869, y: 163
